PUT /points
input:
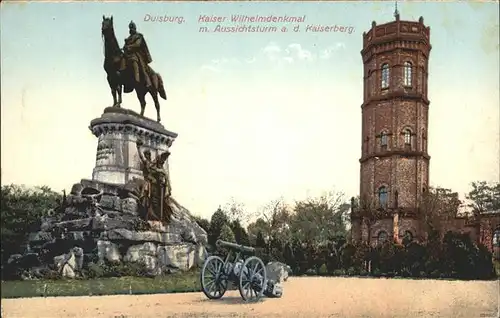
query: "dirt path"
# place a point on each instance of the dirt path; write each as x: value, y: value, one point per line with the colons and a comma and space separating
x: 303, y: 297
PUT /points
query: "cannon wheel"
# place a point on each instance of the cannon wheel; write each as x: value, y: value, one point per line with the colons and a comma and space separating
x: 213, y: 279
x: 252, y: 279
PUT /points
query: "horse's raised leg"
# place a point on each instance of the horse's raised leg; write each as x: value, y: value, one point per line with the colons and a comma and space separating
x: 154, y: 94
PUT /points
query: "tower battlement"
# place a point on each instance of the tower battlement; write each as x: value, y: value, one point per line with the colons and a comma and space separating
x: 396, y: 34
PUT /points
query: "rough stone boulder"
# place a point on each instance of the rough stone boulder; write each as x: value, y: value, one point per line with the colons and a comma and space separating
x: 278, y: 272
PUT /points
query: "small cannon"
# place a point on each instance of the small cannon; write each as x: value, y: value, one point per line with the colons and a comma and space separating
x: 248, y: 272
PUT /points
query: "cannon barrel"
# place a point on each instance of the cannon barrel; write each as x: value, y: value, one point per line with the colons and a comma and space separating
x: 234, y: 246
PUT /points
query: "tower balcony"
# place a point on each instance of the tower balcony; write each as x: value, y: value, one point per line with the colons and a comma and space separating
x: 403, y: 153
x: 400, y: 92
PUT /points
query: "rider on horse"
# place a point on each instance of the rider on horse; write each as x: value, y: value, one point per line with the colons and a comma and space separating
x: 137, y: 57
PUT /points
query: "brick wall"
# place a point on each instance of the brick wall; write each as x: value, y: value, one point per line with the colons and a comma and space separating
x: 488, y: 224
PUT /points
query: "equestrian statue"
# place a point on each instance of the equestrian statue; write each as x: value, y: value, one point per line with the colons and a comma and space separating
x: 129, y: 69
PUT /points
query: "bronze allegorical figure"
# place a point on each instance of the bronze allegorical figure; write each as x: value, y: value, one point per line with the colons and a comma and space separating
x: 156, y: 190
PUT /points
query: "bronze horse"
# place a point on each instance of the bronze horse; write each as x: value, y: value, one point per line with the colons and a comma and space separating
x: 120, y: 77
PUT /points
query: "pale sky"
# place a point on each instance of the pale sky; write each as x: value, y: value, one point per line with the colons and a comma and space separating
x: 259, y: 116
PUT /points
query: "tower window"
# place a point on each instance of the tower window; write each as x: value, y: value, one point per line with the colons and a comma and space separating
x: 385, y: 75
x: 407, y: 134
x: 382, y: 237
x: 382, y: 197
x: 407, y: 73
x: 383, y: 139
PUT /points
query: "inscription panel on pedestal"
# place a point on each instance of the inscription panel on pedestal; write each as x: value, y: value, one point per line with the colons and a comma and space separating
x: 104, y: 151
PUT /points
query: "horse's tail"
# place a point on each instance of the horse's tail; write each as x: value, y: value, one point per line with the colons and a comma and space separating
x: 161, y: 89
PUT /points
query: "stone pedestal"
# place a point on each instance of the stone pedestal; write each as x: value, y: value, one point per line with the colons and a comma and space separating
x: 117, y: 130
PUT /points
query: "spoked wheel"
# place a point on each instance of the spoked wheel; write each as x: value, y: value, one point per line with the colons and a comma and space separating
x: 252, y: 279
x: 213, y: 279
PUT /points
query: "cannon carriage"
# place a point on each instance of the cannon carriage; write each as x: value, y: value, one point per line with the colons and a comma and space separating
x: 239, y: 267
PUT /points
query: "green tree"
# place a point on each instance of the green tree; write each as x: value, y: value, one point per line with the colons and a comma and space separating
x: 320, y: 220
x: 226, y: 234
x: 22, y: 210
x: 203, y: 223
x: 254, y: 228
x: 219, y: 219
x: 484, y: 196
x: 235, y: 211
x: 277, y: 218
x: 438, y: 206
x: 260, y: 241
x: 240, y: 234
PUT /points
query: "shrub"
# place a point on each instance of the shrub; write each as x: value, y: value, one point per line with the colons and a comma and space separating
x: 126, y: 269
x: 361, y: 255
x: 485, y: 268
x: 94, y: 270
x: 109, y: 269
x: 323, y: 270
x: 51, y: 274
x: 435, y: 274
x: 347, y: 255
x: 311, y: 272
x: 363, y: 273
x: 339, y: 272
x: 352, y: 271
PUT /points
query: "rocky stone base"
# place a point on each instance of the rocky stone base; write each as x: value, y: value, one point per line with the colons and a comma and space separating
x: 103, y: 223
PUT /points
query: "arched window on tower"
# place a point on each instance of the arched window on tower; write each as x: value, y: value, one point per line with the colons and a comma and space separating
x: 383, y: 139
x: 407, y: 73
x: 407, y: 134
x: 382, y: 197
x: 385, y: 76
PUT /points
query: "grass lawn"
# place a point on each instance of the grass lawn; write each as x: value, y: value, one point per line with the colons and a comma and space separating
x: 174, y: 283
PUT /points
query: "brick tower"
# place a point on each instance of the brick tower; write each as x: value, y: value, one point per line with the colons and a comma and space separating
x: 394, y: 160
